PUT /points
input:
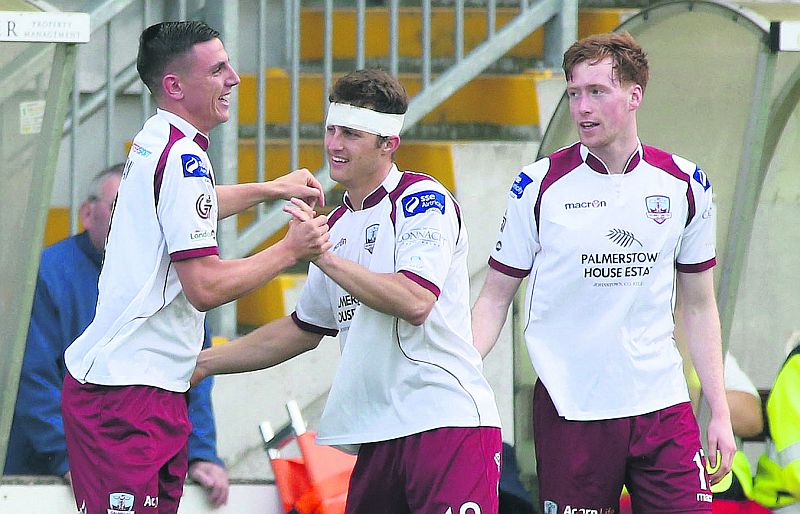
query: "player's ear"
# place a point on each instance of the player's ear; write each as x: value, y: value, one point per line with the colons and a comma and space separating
x: 390, y: 144
x: 636, y: 95
x: 171, y: 86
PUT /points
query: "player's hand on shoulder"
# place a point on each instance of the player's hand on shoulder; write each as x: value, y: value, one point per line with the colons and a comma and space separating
x: 301, y: 184
x: 308, y: 235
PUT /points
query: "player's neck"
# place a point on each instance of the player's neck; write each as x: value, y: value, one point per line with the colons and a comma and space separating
x: 358, y: 192
x: 617, y: 154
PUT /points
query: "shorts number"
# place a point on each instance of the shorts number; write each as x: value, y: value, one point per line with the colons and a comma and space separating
x: 467, y: 508
x: 698, y: 459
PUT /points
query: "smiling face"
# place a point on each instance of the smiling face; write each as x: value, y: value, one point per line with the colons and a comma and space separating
x: 358, y: 160
x: 202, y: 85
x: 603, y: 109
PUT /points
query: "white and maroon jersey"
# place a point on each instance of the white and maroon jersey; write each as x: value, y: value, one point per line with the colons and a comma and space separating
x: 396, y: 379
x: 145, y: 331
x: 602, y: 250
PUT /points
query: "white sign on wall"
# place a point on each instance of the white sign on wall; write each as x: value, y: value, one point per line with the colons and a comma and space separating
x: 44, y: 27
x: 785, y: 36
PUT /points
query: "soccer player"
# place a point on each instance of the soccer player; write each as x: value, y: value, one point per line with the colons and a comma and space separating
x: 123, y: 403
x: 409, y: 395
x: 610, y: 232
x: 63, y: 306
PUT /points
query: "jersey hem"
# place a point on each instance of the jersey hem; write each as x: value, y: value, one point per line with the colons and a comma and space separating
x: 333, y: 440
x: 622, y: 413
x: 175, y: 387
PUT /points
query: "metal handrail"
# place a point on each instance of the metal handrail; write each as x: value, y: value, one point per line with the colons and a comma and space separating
x: 557, y: 16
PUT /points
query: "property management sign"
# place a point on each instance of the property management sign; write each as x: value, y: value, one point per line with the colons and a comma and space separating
x: 44, y: 27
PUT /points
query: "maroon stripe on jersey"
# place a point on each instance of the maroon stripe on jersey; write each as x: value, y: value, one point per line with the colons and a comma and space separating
x: 632, y: 162
x: 696, y: 268
x: 192, y: 253
x: 561, y: 163
x: 314, y: 329
x: 664, y: 161
x: 202, y: 141
x: 408, y: 179
x: 335, y: 215
x: 374, y: 198
x: 427, y: 284
x: 599, y: 166
x: 507, y: 270
x: 174, y: 135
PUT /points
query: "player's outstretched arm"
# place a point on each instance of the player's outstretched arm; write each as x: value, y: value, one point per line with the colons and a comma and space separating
x: 268, y: 345
x: 698, y: 308
x: 210, y: 281
x: 300, y: 183
x: 491, y: 308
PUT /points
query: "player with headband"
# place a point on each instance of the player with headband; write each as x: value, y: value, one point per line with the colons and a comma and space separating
x: 409, y: 395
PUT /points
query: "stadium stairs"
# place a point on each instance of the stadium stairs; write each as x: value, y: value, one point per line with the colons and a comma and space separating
x: 509, y: 103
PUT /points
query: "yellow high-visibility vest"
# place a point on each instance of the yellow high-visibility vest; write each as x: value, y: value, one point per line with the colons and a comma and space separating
x: 777, y: 481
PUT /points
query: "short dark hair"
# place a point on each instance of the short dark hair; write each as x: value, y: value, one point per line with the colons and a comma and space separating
x: 628, y: 59
x: 161, y: 43
x: 372, y: 89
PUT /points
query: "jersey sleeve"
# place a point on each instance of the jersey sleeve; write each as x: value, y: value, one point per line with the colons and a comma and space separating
x: 187, y: 203
x: 518, y: 237
x: 313, y: 311
x: 698, y: 246
x: 428, y: 230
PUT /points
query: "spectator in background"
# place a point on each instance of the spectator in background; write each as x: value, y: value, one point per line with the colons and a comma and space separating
x: 63, y: 306
x: 777, y: 482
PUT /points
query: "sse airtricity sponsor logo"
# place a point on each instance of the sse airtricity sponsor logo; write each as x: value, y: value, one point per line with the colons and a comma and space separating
x: 701, y: 178
x: 520, y: 183
x: 417, y: 203
x: 193, y: 166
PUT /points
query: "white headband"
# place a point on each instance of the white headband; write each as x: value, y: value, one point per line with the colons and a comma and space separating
x: 359, y: 118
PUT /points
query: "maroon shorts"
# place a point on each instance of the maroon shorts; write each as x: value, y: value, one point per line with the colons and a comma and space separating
x: 582, y: 465
x: 127, y: 447
x: 447, y: 470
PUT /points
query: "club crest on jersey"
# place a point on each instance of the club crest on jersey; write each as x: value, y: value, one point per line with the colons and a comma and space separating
x: 193, y: 166
x: 203, y: 205
x: 417, y: 203
x: 520, y: 183
x: 370, y: 235
x: 120, y: 503
x: 658, y: 208
x: 701, y: 178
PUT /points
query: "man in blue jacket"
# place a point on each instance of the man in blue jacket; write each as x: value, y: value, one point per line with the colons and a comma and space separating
x: 63, y: 306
